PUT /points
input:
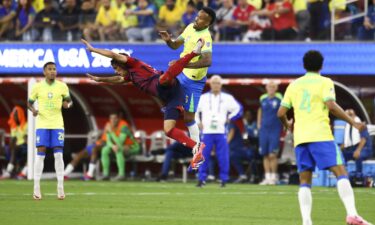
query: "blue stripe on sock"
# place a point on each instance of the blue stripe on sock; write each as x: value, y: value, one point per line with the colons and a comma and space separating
x: 190, y: 123
x: 41, y: 153
x: 305, y: 185
x: 342, y: 177
x: 57, y: 151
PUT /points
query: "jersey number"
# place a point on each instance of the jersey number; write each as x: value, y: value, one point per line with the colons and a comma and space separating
x: 306, y: 101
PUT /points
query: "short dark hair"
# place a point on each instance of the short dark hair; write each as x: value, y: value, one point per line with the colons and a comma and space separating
x: 115, y: 63
x: 48, y: 63
x: 313, y: 61
x: 191, y: 3
x: 211, y: 13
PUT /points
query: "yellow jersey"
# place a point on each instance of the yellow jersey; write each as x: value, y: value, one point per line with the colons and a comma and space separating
x: 174, y: 16
x: 190, y: 37
x: 50, y: 99
x: 106, y: 17
x: 126, y: 21
x: 307, y: 95
x: 19, y: 133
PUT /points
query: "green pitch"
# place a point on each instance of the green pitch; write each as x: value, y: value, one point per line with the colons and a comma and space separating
x: 144, y: 203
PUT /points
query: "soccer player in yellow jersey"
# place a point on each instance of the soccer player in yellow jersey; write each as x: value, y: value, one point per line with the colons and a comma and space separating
x: 194, y: 78
x: 312, y: 97
x: 51, y: 95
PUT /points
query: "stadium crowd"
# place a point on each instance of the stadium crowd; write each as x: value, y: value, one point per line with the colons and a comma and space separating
x: 131, y: 20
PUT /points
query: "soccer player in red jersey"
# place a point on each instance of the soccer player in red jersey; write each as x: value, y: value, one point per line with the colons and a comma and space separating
x: 165, y: 86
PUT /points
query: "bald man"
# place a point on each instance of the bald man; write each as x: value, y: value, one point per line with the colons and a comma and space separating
x: 215, y: 108
x: 270, y: 128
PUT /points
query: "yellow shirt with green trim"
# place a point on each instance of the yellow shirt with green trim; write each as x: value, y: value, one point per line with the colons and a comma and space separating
x: 50, y: 99
x: 190, y: 37
x: 19, y: 133
x: 307, y: 96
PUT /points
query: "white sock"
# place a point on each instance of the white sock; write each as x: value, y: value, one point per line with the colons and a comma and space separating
x: 59, y: 168
x: 194, y: 132
x: 24, y: 170
x: 69, y: 169
x: 38, y: 170
x: 305, y: 204
x: 268, y: 176
x: 10, y: 167
x: 91, y: 171
x: 347, y: 196
x: 273, y: 176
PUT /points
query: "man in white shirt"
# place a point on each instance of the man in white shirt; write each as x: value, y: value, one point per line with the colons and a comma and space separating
x: 215, y: 108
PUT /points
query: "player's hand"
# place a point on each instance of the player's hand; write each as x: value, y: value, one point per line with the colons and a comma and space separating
x: 356, y: 154
x: 88, y: 45
x: 359, y: 126
x: 165, y: 35
x: 94, y: 78
x: 172, y: 62
x: 66, y: 104
x: 289, y: 125
x: 115, y: 148
x: 35, y: 113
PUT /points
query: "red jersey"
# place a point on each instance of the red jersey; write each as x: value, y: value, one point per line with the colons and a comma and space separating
x: 243, y: 14
x: 142, y: 75
x: 282, y: 21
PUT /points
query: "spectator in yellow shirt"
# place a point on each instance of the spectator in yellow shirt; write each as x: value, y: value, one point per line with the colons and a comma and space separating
x: 124, y: 21
x: 105, y: 23
x: 170, y: 16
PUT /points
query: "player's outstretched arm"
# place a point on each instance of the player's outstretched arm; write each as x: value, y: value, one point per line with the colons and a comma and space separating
x: 337, y: 111
x: 173, y: 44
x: 105, y: 52
x: 111, y: 80
x: 204, y: 61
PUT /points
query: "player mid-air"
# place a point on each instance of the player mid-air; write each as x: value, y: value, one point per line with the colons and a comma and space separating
x: 165, y: 86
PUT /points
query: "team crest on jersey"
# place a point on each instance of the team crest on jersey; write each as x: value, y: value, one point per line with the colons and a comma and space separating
x: 187, y: 38
x: 50, y: 95
x: 208, y: 44
x: 274, y: 103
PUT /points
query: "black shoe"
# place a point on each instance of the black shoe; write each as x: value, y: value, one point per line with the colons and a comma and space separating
x: 222, y: 184
x: 201, y: 183
x: 161, y: 178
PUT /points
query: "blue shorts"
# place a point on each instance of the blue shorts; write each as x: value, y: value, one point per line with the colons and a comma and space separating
x: 323, y: 154
x: 90, y: 148
x: 50, y: 138
x: 269, y: 142
x: 172, y: 97
x: 192, y: 92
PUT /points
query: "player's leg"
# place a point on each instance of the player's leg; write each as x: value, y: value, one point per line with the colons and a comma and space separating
x: 76, y: 160
x: 170, y: 153
x: 222, y: 154
x: 274, y: 145
x: 106, y: 151
x: 22, y: 161
x: 192, y: 91
x: 173, y: 132
x: 203, y: 169
x: 328, y: 155
x: 305, y: 165
x: 120, y: 161
x: 57, y: 143
x: 175, y: 69
x: 264, y: 151
x: 42, y: 142
x: 92, y: 165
